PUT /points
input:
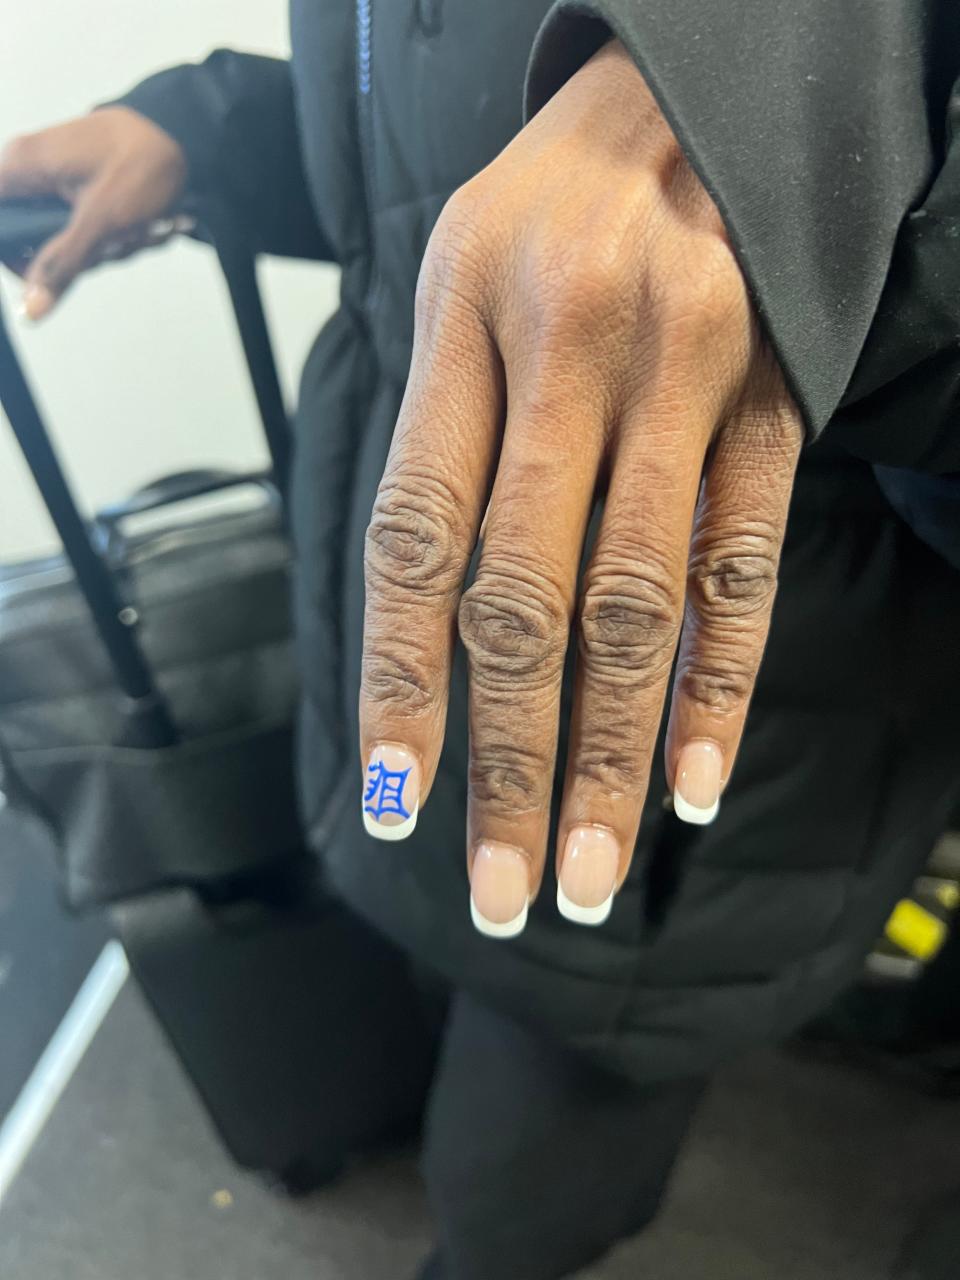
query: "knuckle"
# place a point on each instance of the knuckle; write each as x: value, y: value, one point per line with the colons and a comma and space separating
x: 628, y: 623
x: 461, y: 215
x: 454, y: 263
x: 609, y: 765
x: 712, y: 279
x: 722, y: 684
x: 412, y: 538
x: 705, y: 293
x: 614, y: 752
x: 717, y: 267
x: 734, y: 579
x: 393, y: 675
x: 577, y: 289
x: 514, y: 628
x: 590, y: 282
x: 508, y: 777
x: 769, y: 421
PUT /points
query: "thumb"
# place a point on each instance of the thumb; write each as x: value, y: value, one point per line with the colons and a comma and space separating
x: 58, y: 263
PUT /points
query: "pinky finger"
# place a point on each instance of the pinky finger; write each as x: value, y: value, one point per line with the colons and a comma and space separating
x: 734, y: 559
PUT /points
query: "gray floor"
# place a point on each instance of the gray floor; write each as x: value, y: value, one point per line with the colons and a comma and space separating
x: 43, y: 955
x: 796, y: 1171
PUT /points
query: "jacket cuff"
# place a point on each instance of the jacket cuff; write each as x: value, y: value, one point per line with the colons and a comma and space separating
x: 178, y: 102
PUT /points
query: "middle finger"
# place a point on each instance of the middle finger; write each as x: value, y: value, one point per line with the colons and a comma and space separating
x: 514, y: 622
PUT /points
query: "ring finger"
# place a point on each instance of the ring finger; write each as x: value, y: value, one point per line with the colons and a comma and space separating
x: 630, y: 616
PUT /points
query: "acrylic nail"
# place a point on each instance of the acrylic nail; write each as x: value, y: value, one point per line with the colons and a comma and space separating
x: 391, y: 792
x: 499, y: 890
x: 696, y: 795
x: 588, y: 875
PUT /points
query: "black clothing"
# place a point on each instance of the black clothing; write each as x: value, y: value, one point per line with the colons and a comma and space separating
x: 929, y: 503
x: 825, y: 143
x: 826, y: 134
x: 932, y: 1252
x: 535, y: 1162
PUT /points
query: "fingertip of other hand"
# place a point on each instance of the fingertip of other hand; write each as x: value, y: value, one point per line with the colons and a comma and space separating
x: 36, y: 302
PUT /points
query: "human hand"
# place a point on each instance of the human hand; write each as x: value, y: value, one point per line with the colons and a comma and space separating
x: 582, y: 328
x: 118, y: 170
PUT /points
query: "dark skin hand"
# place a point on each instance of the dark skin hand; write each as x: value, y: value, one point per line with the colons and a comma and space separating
x: 581, y: 325
x: 121, y: 174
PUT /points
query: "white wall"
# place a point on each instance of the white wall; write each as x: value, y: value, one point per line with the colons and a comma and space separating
x: 139, y: 369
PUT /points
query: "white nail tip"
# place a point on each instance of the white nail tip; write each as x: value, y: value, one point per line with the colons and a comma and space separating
x: 583, y: 915
x: 384, y: 831
x: 490, y: 929
x: 687, y: 812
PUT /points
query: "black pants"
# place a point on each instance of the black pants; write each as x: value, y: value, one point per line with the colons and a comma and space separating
x: 535, y: 1162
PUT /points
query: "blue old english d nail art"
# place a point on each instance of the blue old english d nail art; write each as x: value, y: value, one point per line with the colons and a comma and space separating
x: 391, y: 792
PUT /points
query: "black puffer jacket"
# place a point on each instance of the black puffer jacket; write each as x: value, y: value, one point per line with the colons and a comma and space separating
x: 825, y: 139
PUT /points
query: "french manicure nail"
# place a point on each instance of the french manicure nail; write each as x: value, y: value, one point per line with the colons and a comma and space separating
x: 391, y: 792
x: 499, y: 890
x: 588, y: 875
x: 696, y: 795
x: 37, y: 300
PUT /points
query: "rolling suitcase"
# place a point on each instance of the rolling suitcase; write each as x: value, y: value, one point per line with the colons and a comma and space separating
x: 147, y: 687
x: 147, y: 702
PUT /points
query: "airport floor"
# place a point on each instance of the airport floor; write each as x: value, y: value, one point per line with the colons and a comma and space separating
x: 796, y: 1170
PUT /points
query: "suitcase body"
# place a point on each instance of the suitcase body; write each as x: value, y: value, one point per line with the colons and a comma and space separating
x: 147, y: 704
x: 272, y: 1016
x: 211, y: 597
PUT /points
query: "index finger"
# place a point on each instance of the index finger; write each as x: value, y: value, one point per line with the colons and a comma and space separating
x: 421, y: 535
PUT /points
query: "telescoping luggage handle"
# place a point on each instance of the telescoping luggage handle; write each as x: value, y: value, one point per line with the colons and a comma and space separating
x: 149, y: 723
x: 238, y: 264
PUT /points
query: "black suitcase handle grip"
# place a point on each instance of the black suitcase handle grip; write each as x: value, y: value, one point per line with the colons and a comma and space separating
x: 181, y: 487
x: 25, y: 224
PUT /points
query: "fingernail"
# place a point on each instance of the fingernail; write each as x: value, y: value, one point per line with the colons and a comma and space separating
x: 391, y: 792
x: 37, y: 300
x: 696, y: 795
x: 588, y: 875
x: 499, y: 890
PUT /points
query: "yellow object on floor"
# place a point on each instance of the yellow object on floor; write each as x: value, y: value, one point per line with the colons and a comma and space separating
x: 948, y: 895
x: 916, y: 930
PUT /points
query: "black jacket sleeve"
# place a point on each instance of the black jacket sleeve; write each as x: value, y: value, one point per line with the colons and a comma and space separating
x: 234, y: 115
x: 822, y: 131
x: 902, y: 407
